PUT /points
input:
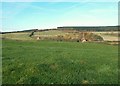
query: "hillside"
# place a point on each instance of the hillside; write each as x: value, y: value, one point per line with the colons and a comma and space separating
x: 54, y: 35
x: 59, y: 57
x: 63, y: 35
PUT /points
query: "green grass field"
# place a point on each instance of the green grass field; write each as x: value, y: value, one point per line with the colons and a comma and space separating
x: 52, y: 62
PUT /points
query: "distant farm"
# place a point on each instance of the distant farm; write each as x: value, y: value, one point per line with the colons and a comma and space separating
x: 78, y: 34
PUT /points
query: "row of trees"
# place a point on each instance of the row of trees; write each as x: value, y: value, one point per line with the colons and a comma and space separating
x: 90, y: 28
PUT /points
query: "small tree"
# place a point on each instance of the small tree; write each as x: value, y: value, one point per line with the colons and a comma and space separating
x: 32, y: 33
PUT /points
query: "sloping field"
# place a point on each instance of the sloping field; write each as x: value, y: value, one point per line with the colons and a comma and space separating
x: 17, y: 36
x: 51, y: 32
x: 40, y: 62
x: 109, y: 36
x: 25, y: 35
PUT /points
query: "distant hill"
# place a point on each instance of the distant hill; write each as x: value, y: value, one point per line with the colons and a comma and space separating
x: 91, y: 28
x: 19, y: 31
x: 31, y: 30
x: 79, y: 28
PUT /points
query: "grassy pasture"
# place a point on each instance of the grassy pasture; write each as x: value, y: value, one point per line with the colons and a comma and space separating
x: 51, y: 32
x: 17, y: 36
x: 25, y: 35
x: 51, y: 62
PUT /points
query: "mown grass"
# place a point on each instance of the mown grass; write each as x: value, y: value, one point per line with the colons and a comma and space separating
x: 51, y: 62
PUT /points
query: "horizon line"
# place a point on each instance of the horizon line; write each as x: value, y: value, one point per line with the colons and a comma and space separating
x: 56, y: 28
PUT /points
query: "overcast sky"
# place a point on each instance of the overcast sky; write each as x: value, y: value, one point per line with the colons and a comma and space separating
x: 43, y: 15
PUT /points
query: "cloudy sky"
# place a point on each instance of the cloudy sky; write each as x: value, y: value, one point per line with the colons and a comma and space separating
x: 41, y: 15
